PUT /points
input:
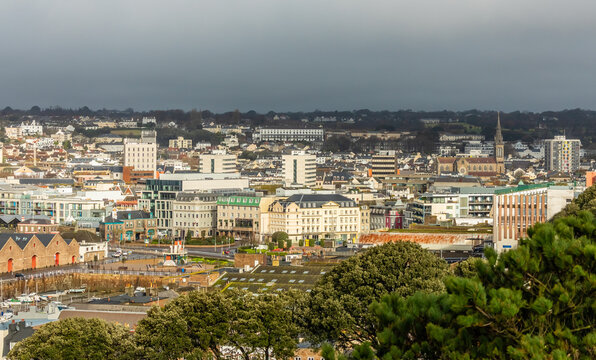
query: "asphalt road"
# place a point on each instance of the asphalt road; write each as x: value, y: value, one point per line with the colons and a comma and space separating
x: 207, y: 252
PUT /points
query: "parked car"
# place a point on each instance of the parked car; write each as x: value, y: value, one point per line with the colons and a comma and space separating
x: 19, y: 275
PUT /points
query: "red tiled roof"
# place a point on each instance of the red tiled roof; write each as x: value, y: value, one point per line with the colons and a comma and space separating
x: 481, y: 160
x: 446, y: 160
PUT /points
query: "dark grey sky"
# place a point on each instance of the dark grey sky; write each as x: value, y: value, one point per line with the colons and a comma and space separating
x: 299, y: 55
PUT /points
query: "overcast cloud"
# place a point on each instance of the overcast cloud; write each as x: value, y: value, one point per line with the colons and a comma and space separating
x: 299, y: 55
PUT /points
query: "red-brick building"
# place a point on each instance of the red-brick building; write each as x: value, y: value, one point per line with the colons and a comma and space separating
x: 20, y: 251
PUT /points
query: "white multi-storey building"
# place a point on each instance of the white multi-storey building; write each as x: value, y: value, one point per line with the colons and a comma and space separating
x: 64, y: 207
x: 309, y: 135
x: 31, y: 129
x: 217, y: 162
x: 299, y: 169
x: 316, y: 216
x: 159, y: 194
x: 141, y: 153
x: 194, y: 212
x: 562, y: 154
x: 148, y: 120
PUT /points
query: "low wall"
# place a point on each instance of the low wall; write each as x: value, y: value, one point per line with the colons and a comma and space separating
x: 423, y: 238
x: 92, y: 282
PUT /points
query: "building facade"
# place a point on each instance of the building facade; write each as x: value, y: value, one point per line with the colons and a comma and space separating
x: 217, y: 162
x: 384, y: 165
x: 180, y: 143
x: 32, y: 251
x: 518, y: 208
x: 477, y: 165
x: 159, y: 194
x: 64, y: 208
x: 562, y: 154
x: 299, y: 169
x: 316, y: 216
x: 243, y: 217
x: 195, y: 213
x: 306, y: 135
x: 129, y: 226
x: 141, y: 154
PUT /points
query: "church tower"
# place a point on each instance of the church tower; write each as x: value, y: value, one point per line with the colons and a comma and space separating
x: 499, y: 147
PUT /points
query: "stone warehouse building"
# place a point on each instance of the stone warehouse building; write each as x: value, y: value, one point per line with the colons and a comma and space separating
x: 31, y: 251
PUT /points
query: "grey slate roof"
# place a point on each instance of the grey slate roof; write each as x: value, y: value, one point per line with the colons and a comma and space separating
x: 10, y: 218
x: 23, y: 239
x: 134, y: 215
x: 317, y: 200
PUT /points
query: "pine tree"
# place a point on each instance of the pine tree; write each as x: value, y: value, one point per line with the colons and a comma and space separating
x: 537, y: 301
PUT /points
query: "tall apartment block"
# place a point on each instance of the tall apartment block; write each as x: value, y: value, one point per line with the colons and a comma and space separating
x: 141, y: 154
x: 217, y: 162
x: 562, y: 154
x: 299, y: 169
x: 384, y: 164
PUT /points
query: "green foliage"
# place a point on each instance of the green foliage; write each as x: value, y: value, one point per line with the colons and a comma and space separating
x: 466, y: 268
x: 322, y: 242
x: 250, y: 155
x: 188, y: 236
x: 537, y: 301
x: 300, y: 242
x: 337, y: 306
x: 288, y: 244
x: 311, y: 242
x: 77, y: 338
x: 585, y: 201
x: 271, y: 246
x: 199, y: 323
x: 279, y: 235
x: 66, y: 144
x: 280, y: 244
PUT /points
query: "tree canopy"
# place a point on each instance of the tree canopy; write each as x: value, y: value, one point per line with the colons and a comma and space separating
x: 279, y: 236
x: 77, y: 338
x: 201, y: 323
x: 585, y: 201
x: 336, y: 307
x: 537, y: 301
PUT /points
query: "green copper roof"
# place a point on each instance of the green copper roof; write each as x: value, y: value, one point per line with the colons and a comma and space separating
x: 239, y: 200
x: 519, y: 188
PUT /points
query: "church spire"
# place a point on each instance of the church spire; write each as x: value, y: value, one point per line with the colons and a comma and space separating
x: 499, y: 147
x: 498, y: 135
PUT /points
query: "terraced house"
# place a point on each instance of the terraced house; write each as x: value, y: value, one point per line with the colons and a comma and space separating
x: 243, y: 217
x: 133, y: 225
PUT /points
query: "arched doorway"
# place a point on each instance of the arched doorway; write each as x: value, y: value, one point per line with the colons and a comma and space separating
x: 73, y: 259
x: 34, y: 262
x: 9, y: 265
x: 57, y: 259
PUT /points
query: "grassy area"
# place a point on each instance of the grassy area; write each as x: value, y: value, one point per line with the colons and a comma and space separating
x: 216, y: 262
x: 251, y: 251
x: 471, y: 129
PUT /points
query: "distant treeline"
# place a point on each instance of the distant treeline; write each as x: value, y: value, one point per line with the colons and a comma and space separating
x: 525, y: 126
